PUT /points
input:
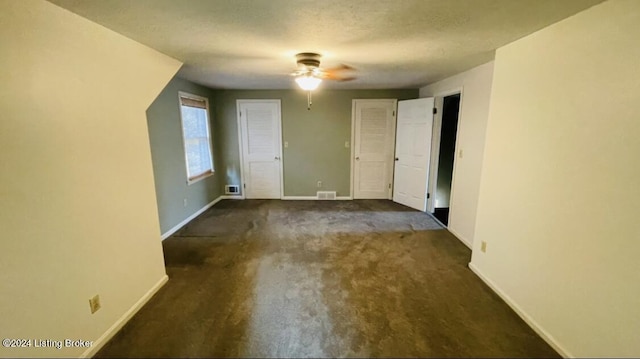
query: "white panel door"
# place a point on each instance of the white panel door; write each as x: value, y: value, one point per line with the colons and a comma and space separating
x: 413, y: 152
x: 260, y: 139
x: 374, y: 135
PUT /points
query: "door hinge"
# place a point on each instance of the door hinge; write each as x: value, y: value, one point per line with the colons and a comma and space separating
x: 244, y: 185
x: 428, y: 195
x: 240, y: 113
x: 394, y: 113
x: 389, y: 185
x: 435, y: 110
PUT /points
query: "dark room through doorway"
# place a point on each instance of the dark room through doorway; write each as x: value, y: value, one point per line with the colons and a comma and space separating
x: 446, y: 156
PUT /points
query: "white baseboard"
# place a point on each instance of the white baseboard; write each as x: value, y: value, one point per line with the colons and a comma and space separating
x: 516, y: 308
x: 100, y: 342
x: 455, y: 234
x: 233, y: 196
x: 461, y: 239
x: 299, y: 198
x: 312, y: 198
x: 177, y: 227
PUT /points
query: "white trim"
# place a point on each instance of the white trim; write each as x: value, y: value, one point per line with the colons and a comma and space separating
x: 177, y: 227
x: 240, y: 151
x: 201, y: 177
x: 314, y: 198
x: 455, y: 234
x: 281, y: 150
x: 516, y: 308
x: 104, y: 338
x: 460, y: 238
x: 353, y: 147
x: 230, y: 197
x: 449, y: 92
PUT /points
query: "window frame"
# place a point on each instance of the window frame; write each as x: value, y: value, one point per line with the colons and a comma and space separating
x: 211, y: 171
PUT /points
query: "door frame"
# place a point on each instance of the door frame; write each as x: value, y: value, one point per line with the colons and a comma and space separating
x: 241, y: 151
x: 435, y: 149
x: 353, y: 139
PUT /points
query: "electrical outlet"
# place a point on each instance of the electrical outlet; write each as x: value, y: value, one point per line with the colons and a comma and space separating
x: 461, y: 154
x: 319, y: 184
x: 483, y: 246
x: 94, y: 303
x: 286, y: 144
x: 184, y: 202
x: 346, y: 144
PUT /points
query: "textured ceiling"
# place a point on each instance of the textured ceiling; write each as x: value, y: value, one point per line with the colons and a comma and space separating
x: 250, y: 44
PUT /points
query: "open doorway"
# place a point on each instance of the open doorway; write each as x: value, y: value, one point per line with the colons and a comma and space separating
x: 446, y: 156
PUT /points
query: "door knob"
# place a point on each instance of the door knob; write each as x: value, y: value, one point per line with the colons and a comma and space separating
x: 396, y: 158
x: 357, y: 158
x: 277, y: 158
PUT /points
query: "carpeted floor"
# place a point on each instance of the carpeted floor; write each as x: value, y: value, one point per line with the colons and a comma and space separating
x: 366, y: 278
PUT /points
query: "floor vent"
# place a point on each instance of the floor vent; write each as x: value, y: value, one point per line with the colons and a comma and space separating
x: 232, y: 189
x: 326, y: 194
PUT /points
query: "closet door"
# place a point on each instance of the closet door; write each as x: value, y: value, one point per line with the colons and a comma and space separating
x: 374, y: 124
x: 260, y: 139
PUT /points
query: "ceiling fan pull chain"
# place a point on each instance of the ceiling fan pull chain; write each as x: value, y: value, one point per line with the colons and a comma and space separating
x: 309, y: 101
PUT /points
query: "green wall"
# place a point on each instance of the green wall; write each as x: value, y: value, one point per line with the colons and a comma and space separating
x: 169, y: 169
x: 316, y: 138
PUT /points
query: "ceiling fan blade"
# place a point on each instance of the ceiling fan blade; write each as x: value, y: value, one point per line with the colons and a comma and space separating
x: 309, y: 65
x: 338, y: 73
x: 340, y: 68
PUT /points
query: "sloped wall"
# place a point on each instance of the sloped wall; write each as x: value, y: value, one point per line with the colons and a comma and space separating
x: 78, y: 211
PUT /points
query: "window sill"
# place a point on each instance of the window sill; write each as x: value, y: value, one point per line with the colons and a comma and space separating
x: 200, y: 177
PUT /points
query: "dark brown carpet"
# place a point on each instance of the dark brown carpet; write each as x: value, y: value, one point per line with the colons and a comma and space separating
x: 365, y: 278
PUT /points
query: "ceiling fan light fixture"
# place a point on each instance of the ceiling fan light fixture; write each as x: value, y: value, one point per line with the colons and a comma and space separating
x: 308, y: 83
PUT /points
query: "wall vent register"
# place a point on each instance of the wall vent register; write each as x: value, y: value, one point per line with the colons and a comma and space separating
x: 326, y: 195
x: 231, y: 189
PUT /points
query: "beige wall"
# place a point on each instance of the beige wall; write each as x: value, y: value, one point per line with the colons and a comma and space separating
x: 559, y: 196
x: 77, y: 210
x: 475, y: 87
x: 316, y: 138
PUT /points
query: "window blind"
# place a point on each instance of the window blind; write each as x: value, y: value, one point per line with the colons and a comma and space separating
x: 192, y: 102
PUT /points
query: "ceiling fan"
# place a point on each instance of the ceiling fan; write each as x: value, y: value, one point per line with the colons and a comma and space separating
x: 309, y: 75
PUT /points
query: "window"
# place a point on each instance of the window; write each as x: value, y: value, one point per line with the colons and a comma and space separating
x: 194, y: 112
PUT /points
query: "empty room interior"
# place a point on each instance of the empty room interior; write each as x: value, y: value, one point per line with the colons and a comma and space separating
x: 248, y: 178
